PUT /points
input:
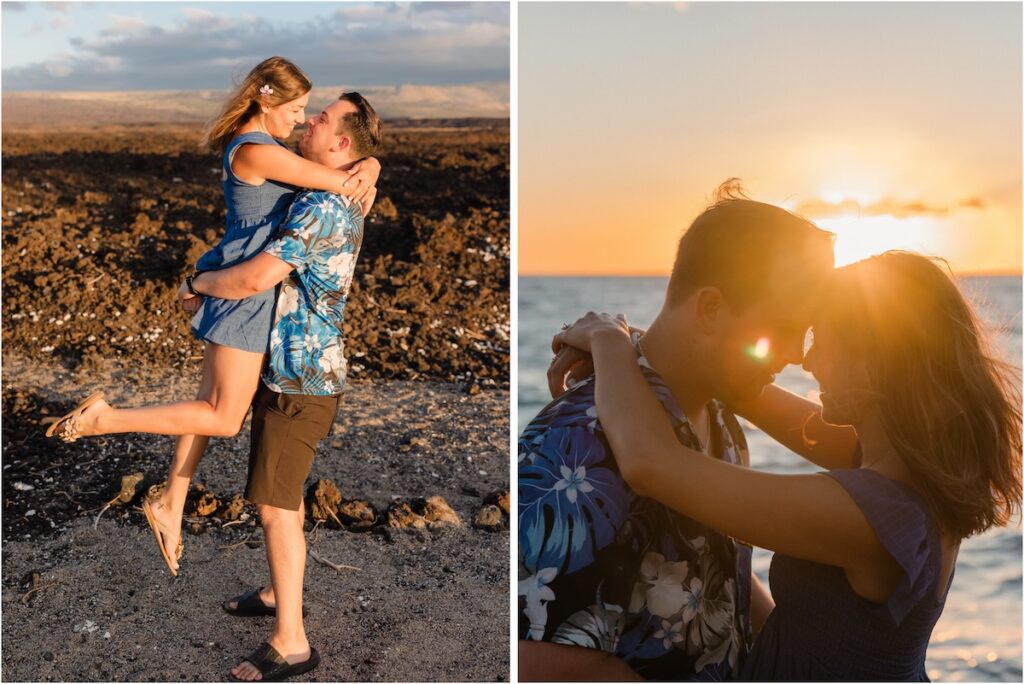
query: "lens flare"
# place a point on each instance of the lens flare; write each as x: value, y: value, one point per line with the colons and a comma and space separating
x: 761, y: 349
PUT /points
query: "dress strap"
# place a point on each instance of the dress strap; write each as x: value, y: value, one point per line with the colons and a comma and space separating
x: 905, y: 527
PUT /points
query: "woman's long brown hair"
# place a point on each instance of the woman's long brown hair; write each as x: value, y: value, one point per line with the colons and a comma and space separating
x: 285, y: 79
x: 950, y: 407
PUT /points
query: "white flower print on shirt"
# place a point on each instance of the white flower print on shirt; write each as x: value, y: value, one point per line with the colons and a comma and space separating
x: 342, y: 265
x: 537, y: 593
x: 573, y: 481
x: 598, y: 626
x: 311, y: 343
x: 670, y: 633
x: 660, y: 587
x: 327, y: 204
x: 333, y: 359
x: 287, y: 300
x: 693, y: 600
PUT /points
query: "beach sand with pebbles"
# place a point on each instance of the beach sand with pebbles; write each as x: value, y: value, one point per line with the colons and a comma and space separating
x: 97, y: 233
x: 106, y: 608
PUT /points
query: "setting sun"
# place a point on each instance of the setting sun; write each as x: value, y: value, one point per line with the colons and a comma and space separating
x: 907, y: 145
x: 858, y: 237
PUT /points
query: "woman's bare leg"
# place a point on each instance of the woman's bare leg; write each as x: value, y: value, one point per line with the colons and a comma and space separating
x: 233, y: 375
x: 169, y: 509
x: 220, y: 368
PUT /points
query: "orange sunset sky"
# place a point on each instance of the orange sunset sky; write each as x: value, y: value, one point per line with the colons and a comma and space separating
x: 896, y: 126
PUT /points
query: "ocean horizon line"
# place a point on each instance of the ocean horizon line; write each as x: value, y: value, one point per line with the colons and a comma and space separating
x: 962, y: 274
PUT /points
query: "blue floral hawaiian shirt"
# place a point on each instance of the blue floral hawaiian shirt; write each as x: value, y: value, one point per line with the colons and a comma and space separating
x: 603, y: 568
x: 321, y: 239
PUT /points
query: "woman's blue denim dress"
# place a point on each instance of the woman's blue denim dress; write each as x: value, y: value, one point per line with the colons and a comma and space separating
x: 254, y: 213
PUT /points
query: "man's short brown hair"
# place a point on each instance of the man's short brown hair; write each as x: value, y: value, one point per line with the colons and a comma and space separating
x: 363, y: 125
x: 737, y: 245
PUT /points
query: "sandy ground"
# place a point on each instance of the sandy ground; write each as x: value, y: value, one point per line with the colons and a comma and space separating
x: 423, y: 605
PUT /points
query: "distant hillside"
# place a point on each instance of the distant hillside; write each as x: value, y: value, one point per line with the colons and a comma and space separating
x: 486, y: 101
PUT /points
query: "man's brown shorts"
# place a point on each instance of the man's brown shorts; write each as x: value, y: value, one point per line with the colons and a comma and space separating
x: 285, y: 431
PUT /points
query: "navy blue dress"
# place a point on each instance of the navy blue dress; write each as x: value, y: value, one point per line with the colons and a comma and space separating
x: 822, y: 631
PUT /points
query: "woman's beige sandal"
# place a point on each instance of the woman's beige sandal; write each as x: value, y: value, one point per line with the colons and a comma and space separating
x: 66, y: 428
x: 159, y: 531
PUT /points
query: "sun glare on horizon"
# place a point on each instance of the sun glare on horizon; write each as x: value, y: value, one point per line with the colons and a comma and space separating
x: 866, y: 223
x: 858, y: 237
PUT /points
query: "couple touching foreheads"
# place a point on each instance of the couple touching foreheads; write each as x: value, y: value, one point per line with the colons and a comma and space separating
x: 638, y: 508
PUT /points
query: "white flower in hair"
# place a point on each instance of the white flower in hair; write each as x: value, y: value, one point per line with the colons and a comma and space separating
x: 266, y: 90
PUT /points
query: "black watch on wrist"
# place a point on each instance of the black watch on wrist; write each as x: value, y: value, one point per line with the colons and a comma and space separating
x: 188, y: 283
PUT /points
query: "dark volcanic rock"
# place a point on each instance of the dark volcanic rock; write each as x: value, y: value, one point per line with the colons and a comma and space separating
x: 436, y: 511
x: 358, y: 515
x: 129, y: 483
x: 488, y: 518
x: 234, y: 509
x: 100, y: 225
x: 324, y: 498
x: 100, y: 228
x: 401, y: 515
x: 207, y: 504
x: 499, y: 499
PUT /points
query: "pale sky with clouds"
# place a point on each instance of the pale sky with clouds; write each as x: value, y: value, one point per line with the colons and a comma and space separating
x: 896, y: 125
x: 198, y: 45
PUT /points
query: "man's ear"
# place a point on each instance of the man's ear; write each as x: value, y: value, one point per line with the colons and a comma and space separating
x: 711, y: 310
x: 342, y: 143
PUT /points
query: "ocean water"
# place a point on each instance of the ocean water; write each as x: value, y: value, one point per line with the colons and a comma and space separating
x: 978, y: 637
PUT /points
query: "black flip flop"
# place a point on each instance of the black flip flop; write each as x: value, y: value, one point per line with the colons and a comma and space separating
x: 250, y: 604
x: 274, y: 668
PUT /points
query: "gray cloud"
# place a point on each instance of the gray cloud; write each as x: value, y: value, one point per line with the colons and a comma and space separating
x: 58, y: 67
x: 381, y: 43
x: 17, y: 6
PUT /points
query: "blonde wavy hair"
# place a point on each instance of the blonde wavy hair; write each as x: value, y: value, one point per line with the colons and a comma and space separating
x: 285, y: 80
x: 950, y: 407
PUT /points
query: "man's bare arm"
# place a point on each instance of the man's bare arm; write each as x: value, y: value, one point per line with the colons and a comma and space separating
x: 541, y: 661
x: 796, y: 423
x: 250, y: 277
